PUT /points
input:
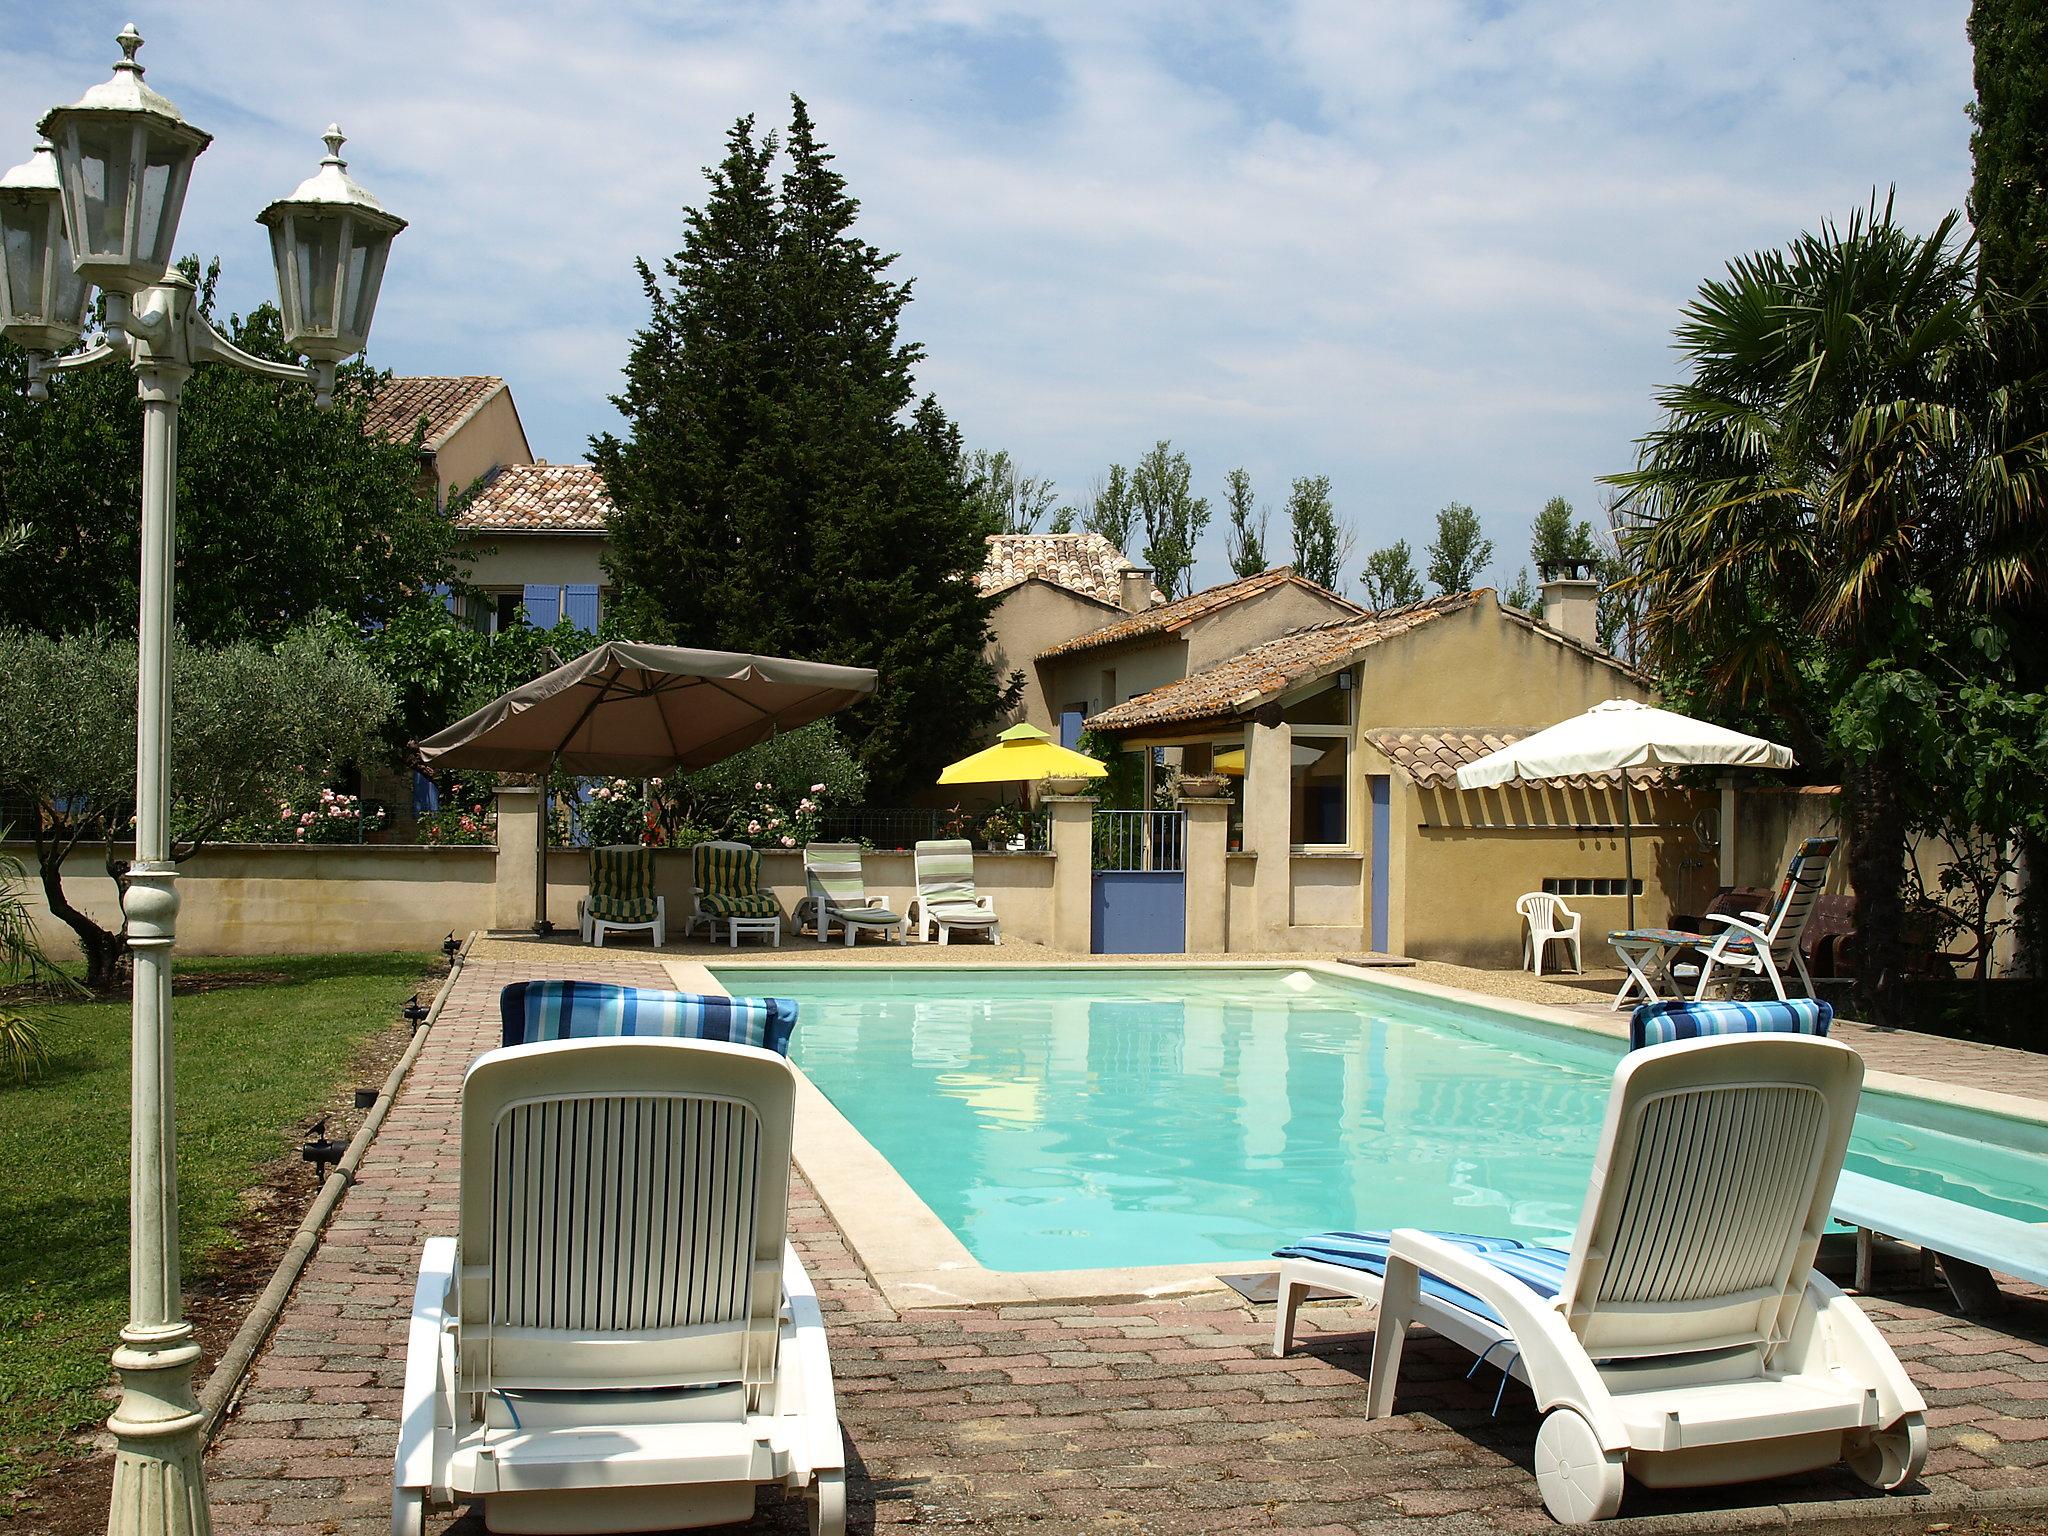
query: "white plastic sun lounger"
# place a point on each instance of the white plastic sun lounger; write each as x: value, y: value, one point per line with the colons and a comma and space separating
x: 1685, y: 1338
x: 619, y: 1338
x: 1973, y: 1245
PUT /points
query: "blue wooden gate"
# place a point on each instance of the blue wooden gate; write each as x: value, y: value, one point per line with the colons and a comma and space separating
x: 1140, y: 896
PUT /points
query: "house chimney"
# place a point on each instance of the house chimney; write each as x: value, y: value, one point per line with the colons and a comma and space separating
x: 1135, y: 595
x: 1571, y: 599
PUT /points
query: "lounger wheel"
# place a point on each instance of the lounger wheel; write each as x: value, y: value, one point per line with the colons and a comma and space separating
x: 828, y: 1504
x: 1889, y: 1458
x: 1579, y: 1480
x: 408, y: 1512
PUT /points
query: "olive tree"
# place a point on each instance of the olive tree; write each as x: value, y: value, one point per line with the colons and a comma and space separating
x: 249, y: 724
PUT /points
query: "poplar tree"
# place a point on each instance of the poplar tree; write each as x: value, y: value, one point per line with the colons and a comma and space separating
x: 781, y: 487
x: 1246, y: 546
x: 1322, y: 547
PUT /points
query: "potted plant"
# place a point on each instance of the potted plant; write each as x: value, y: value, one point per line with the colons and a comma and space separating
x: 1000, y: 827
x: 1203, y: 786
x: 1066, y: 784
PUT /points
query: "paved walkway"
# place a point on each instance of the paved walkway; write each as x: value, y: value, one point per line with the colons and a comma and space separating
x: 1165, y: 1416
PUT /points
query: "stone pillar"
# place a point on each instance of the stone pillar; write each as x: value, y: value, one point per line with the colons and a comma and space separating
x: 1268, y: 826
x: 1073, y: 872
x: 1208, y: 891
x: 518, y: 854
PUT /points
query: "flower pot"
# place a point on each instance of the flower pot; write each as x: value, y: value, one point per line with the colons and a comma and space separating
x: 1066, y: 786
x: 1203, y: 786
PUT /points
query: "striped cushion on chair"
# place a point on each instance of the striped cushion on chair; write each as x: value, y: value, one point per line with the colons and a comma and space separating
x: 622, y: 884
x: 945, y: 872
x: 1661, y: 1023
x: 757, y: 904
x: 534, y: 1011
x: 1540, y: 1268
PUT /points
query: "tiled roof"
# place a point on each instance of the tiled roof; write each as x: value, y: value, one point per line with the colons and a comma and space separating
x: 446, y: 403
x: 1085, y: 563
x: 1432, y: 758
x: 1183, y: 611
x: 539, y: 498
x: 1248, y: 679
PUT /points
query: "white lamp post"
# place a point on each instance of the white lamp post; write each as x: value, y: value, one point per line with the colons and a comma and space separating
x: 123, y: 160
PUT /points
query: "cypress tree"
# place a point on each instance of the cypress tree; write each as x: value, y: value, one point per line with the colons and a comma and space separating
x: 780, y: 487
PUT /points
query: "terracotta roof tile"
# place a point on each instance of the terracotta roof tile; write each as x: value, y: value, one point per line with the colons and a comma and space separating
x: 539, y: 498
x: 445, y: 402
x: 1085, y: 563
x: 1251, y: 677
x: 1433, y: 757
x: 1183, y: 611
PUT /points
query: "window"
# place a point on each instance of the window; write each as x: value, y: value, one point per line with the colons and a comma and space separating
x: 507, y: 613
x: 1586, y: 885
x: 1317, y: 795
x: 1330, y: 705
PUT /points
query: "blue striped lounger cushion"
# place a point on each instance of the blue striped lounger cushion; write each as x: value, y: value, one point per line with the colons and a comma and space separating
x: 1540, y: 1268
x: 534, y: 1011
x: 1661, y: 1023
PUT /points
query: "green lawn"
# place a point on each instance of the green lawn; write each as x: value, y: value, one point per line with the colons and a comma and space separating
x: 252, y: 1061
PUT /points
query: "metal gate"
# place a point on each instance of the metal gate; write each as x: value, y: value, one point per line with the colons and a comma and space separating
x: 1139, y: 904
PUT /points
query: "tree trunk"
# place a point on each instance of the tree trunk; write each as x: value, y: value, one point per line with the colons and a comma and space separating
x: 1874, y: 816
x: 103, y: 950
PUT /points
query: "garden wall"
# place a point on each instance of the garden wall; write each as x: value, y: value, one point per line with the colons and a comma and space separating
x: 276, y: 899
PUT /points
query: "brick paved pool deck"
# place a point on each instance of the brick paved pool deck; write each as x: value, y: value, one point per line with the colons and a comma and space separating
x: 1161, y: 1416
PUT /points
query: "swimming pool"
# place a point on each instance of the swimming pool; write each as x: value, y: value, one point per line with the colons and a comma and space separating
x: 1106, y: 1117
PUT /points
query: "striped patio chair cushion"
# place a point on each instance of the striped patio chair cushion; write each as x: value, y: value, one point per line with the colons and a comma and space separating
x: 1661, y: 1023
x: 622, y: 884
x: 945, y: 872
x: 759, y: 904
x: 534, y: 1011
x: 832, y: 872
x: 1536, y: 1266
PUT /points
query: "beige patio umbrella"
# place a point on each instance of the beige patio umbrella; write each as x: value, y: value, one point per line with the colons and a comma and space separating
x: 1615, y: 737
x: 640, y: 710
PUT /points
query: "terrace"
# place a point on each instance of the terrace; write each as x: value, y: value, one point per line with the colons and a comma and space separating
x: 1161, y: 1412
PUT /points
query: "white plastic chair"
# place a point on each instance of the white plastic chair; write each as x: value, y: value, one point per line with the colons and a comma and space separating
x: 1685, y: 1338
x: 620, y: 1337
x: 1541, y: 912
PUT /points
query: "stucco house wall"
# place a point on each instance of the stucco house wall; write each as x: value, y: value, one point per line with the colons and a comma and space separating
x: 493, y: 436
x: 502, y: 558
x: 1032, y: 616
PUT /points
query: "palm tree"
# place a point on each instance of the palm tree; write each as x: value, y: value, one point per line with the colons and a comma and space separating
x: 1838, y: 479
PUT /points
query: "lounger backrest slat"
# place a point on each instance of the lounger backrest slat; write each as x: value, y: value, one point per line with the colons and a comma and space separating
x: 624, y: 1204
x: 623, y: 1214
x: 945, y: 871
x: 1709, y: 1193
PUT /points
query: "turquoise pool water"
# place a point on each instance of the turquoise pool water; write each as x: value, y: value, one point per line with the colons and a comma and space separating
x: 1084, y: 1119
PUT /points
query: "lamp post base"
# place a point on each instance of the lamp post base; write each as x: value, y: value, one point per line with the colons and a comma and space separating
x: 159, y: 1488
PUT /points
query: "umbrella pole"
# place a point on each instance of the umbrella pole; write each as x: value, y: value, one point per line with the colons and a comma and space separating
x: 541, y: 925
x: 1628, y: 844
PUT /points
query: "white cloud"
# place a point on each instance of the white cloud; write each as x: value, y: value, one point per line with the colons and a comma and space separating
x: 1432, y: 251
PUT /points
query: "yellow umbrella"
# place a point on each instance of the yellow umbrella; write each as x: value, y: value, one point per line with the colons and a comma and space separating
x: 1022, y: 752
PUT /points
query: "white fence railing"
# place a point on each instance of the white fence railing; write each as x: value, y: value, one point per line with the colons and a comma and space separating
x: 1140, y: 840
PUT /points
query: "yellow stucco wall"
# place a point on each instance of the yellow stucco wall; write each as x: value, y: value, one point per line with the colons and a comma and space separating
x: 1475, y: 666
x: 1266, y: 616
x: 493, y: 436
x: 1029, y: 618
x: 499, y: 559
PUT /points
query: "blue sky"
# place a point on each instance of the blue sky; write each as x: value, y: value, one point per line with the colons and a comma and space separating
x: 1434, y: 252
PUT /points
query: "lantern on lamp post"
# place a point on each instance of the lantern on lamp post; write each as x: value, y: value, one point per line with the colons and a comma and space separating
x: 107, y: 214
x: 42, y: 297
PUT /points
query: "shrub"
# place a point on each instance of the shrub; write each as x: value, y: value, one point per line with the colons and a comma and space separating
x: 459, y: 825
x: 622, y: 811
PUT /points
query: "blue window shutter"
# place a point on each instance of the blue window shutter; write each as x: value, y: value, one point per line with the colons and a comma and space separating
x: 543, y: 606
x: 580, y: 607
x: 1070, y: 728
